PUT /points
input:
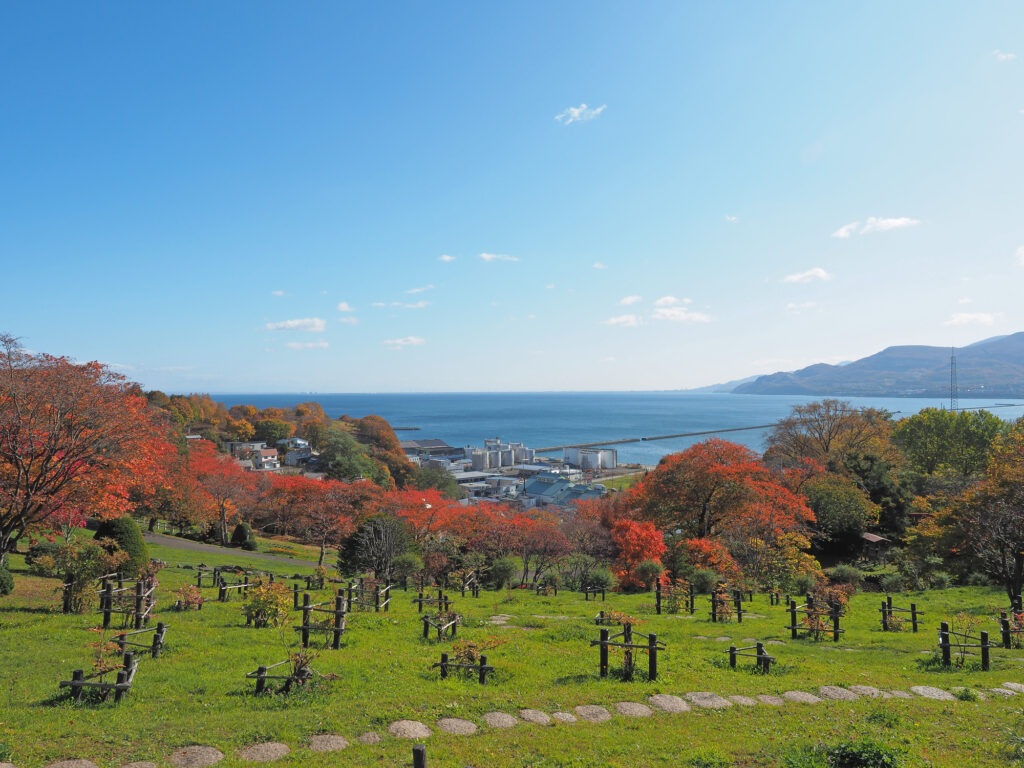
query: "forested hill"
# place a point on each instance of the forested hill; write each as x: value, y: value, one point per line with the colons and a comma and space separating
x: 989, y: 368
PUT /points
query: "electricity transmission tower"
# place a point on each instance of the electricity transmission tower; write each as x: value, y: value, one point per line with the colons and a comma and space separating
x: 954, y: 393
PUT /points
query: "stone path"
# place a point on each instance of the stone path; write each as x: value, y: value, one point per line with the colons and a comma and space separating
x: 658, y: 705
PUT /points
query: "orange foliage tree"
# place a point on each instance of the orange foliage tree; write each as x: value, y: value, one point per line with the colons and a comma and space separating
x: 636, y: 542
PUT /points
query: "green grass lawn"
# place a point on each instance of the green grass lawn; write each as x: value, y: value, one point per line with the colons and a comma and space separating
x: 197, y: 692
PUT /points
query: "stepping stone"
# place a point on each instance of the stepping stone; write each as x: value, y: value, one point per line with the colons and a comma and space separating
x: 369, y: 738
x: 700, y: 637
x: 75, y: 762
x: 264, y: 752
x: 1014, y: 687
x: 745, y: 701
x: 633, y: 709
x: 801, y: 697
x: 534, y: 716
x: 708, y: 700
x: 327, y: 742
x: 722, y: 639
x: 7, y: 765
x: 871, y: 693
x: 668, y: 703
x: 563, y: 717
x: 136, y: 764
x: 409, y: 729
x: 195, y: 756
x: 768, y: 698
x: 1005, y: 692
x: 457, y: 726
x: 753, y: 615
x: 593, y: 714
x: 773, y: 642
x: 748, y: 639
x: 836, y: 693
x: 500, y: 720
x: 930, y: 691
x: 898, y: 694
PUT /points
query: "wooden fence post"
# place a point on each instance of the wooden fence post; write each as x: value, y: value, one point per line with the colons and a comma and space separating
x: 652, y: 657
x: 762, y: 658
x: 78, y: 676
x: 984, y: 652
x: 295, y: 597
x: 483, y: 670
x: 261, y: 679
x: 122, y: 678
x: 792, y: 619
x: 913, y: 616
x: 739, y: 609
x: 139, y: 610
x: 339, y: 619
x: 158, y: 639
x: 306, y: 615
x: 444, y: 665
x: 1004, y: 628
x: 944, y: 643
x: 835, y: 623
x: 693, y: 608
x: 108, y: 604
x: 714, y: 607
x: 419, y: 602
x: 604, y: 653
x: 419, y: 756
x: 426, y: 628
x: 732, y: 656
x: 657, y: 596
x: 888, y: 607
x: 222, y: 593
x: 885, y: 618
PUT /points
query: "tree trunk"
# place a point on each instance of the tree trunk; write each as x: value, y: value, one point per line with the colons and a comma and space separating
x: 323, y: 548
x: 223, y: 526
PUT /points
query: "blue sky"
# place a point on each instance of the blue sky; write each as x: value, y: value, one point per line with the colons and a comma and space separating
x: 443, y: 196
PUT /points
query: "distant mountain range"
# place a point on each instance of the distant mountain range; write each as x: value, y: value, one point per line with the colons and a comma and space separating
x: 989, y: 368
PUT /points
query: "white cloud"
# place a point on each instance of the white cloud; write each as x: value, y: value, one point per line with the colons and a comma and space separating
x: 421, y: 289
x: 579, y: 114
x: 407, y: 341
x: 666, y: 301
x: 415, y: 305
x: 1020, y: 254
x: 1003, y: 56
x: 549, y: 287
x: 445, y: 257
x: 349, y: 320
x: 498, y: 257
x: 277, y: 293
x: 626, y: 321
x: 797, y: 308
x: 732, y: 219
x: 681, y: 315
x: 970, y: 318
x: 344, y: 306
x: 627, y: 300
x: 307, y: 344
x: 599, y: 265
x: 846, y: 230
x: 378, y: 304
x: 874, y: 224
x: 816, y: 273
x: 313, y: 324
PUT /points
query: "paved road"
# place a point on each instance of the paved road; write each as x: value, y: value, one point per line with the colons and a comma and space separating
x: 198, y: 546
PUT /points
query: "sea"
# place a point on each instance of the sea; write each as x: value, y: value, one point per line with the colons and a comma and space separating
x: 545, y: 419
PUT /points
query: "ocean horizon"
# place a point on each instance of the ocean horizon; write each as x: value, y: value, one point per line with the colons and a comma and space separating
x: 543, y: 419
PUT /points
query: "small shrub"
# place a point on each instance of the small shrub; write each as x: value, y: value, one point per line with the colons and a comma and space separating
x: 406, y: 564
x: 250, y: 545
x: 940, y: 580
x: 845, y: 574
x: 502, y: 571
x: 600, y: 578
x: 268, y: 604
x: 40, y: 557
x: 804, y: 583
x: 188, y: 598
x: 126, y: 534
x: 885, y: 717
x: 6, y: 582
x: 891, y: 582
x: 863, y: 753
x: 241, y: 534
x: 978, y: 579
x: 703, y: 581
x: 648, y: 571
x: 708, y: 757
x: 6, y: 753
x: 966, y: 694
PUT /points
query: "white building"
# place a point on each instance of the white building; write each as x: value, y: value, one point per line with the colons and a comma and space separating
x: 591, y: 458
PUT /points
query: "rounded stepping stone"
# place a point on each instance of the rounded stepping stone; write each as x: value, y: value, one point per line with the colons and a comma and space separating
x: 409, y: 729
x: 773, y: 642
x: 898, y: 694
x: 668, y: 703
x: 801, y: 697
x: 931, y: 692
x: 722, y: 639
x: 563, y: 717
x: 744, y: 701
x: 136, y: 764
x: 327, y: 742
x: 7, y: 765
x: 768, y: 698
x: 1006, y: 692
x: 369, y: 738
x: 707, y: 700
x: 700, y: 637
x: 264, y: 752
x: 457, y: 726
x: 633, y: 709
x: 1014, y: 687
x: 534, y: 716
x: 870, y: 692
x: 500, y: 720
x: 592, y: 713
x: 748, y: 639
x: 75, y: 762
x: 195, y: 756
x: 837, y: 693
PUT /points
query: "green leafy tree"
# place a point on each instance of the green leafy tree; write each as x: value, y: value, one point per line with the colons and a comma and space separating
x: 125, y: 533
x: 346, y: 460
x: 842, y: 512
x: 441, y: 480
x: 940, y: 441
x: 272, y: 430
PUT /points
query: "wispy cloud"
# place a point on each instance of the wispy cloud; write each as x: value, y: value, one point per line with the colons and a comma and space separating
x: 681, y: 315
x: 498, y: 257
x: 815, y: 273
x: 1020, y: 254
x: 277, y: 293
x: 797, y: 308
x: 670, y: 301
x: 379, y: 304
x: 1003, y: 56
x: 625, y: 321
x: 349, y: 320
x: 414, y: 305
x: 732, y: 219
x: 313, y: 324
x: 627, y: 300
x: 445, y: 257
x: 407, y: 341
x: 874, y: 224
x: 307, y: 344
x: 599, y: 265
x: 970, y: 318
x: 579, y: 114
x: 344, y: 306
x: 421, y: 289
